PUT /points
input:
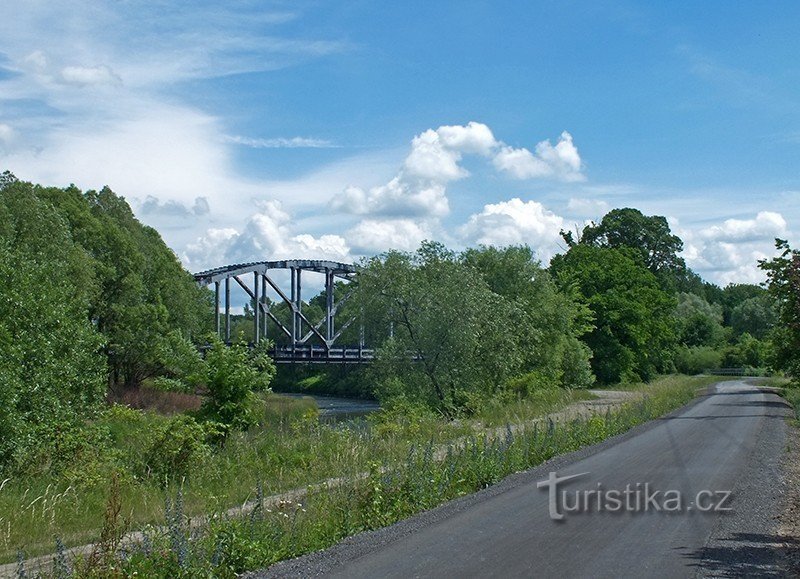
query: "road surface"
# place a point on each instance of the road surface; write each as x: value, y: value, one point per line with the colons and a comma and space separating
x: 731, y: 440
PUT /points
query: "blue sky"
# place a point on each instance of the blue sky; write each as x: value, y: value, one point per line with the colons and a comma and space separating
x: 260, y: 130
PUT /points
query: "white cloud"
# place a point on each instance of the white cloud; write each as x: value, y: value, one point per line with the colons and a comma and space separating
x: 592, y: 208
x: 280, y: 142
x: 560, y: 162
x: 89, y: 75
x: 420, y: 187
x: 474, y: 138
x: 398, y: 197
x: 515, y: 222
x: 767, y: 225
x: 729, y: 252
x: 267, y: 235
x: 373, y: 236
x: 152, y: 206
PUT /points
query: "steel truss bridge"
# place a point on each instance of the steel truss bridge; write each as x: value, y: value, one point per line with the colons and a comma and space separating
x: 301, y: 330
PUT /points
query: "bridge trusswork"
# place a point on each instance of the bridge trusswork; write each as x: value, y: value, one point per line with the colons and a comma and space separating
x: 301, y: 346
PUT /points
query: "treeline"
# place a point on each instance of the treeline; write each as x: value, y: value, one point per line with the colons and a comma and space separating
x: 456, y: 329
x: 90, y: 300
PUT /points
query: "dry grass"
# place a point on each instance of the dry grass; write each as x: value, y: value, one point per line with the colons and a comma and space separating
x: 159, y: 401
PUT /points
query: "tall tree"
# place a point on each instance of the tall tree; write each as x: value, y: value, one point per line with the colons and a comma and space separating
x: 51, y: 369
x: 783, y: 275
x: 634, y: 327
x: 649, y: 236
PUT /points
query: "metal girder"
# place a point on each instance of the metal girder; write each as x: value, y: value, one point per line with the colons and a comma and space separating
x: 261, y: 280
x: 343, y: 270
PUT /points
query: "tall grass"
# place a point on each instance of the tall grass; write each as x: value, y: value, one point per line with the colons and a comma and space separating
x: 423, y: 479
x: 416, y: 465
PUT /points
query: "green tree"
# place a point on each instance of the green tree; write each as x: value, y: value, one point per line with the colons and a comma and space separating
x: 755, y: 316
x: 634, y: 326
x: 699, y: 322
x: 783, y: 283
x: 650, y: 236
x: 548, y: 323
x: 450, y: 334
x: 138, y: 291
x: 51, y: 369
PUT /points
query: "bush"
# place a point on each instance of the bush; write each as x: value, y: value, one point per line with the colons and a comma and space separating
x: 176, y: 446
x: 695, y: 360
x: 529, y: 383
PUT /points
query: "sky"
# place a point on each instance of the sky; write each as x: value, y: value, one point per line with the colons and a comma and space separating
x: 256, y: 130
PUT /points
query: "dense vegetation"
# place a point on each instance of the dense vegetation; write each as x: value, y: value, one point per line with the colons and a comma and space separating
x: 95, y: 309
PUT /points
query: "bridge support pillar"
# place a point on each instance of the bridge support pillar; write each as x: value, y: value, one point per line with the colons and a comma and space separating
x: 256, y: 310
x: 227, y: 310
x: 329, y: 307
x: 216, y: 307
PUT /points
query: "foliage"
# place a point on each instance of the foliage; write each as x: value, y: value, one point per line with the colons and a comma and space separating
x: 697, y: 359
x: 461, y: 326
x: 51, y: 370
x: 231, y: 375
x: 138, y: 290
x: 755, y: 316
x: 699, y: 322
x: 783, y: 274
x: 446, y: 318
x: 633, y: 331
x: 548, y: 322
x: 649, y: 236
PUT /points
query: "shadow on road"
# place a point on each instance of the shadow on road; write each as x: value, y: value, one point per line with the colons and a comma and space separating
x: 744, y: 555
x: 758, y: 403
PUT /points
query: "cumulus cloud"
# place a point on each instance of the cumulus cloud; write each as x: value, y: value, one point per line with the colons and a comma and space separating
x: 729, y: 252
x: 398, y: 197
x: 515, y: 222
x: 373, y: 236
x: 766, y: 226
x: 420, y: 187
x: 268, y: 234
x: 561, y: 162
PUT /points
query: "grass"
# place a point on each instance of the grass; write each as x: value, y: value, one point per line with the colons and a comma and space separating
x: 414, y: 464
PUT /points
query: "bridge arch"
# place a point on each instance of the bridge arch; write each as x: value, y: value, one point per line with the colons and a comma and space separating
x: 301, y: 329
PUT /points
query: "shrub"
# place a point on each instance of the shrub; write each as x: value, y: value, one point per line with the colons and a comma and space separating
x: 176, y: 446
x: 694, y: 360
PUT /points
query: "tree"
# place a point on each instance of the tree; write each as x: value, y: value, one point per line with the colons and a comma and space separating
x: 634, y: 327
x: 649, y: 236
x: 51, y: 369
x: 445, y: 317
x: 699, y: 322
x: 549, y: 322
x: 137, y: 289
x: 755, y: 316
x: 783, y: 283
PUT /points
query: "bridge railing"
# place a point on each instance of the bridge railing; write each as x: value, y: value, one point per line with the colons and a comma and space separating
x: 313, y: 353
x: 745, y: 371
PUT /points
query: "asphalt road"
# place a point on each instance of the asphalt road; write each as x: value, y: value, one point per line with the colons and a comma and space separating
x: 730, y: 440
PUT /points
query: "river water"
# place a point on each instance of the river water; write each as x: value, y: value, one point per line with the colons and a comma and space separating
x: 334, y: 409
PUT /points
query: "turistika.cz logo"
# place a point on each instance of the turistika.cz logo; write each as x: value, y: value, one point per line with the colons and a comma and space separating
x: 634, y: 498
